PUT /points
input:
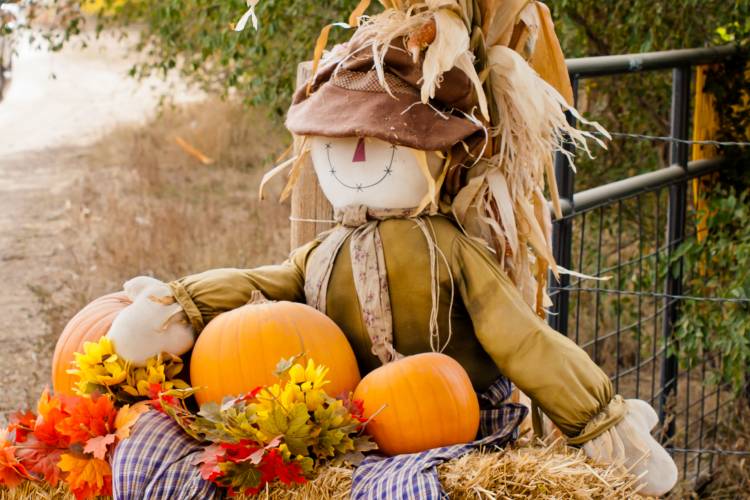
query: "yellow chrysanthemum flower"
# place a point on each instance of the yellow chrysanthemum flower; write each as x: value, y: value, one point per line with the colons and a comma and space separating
x: 99, y: 369
x: 308, y: 377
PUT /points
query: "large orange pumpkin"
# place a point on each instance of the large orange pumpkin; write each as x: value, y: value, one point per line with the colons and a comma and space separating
x: 91, y: 323
x: 239, y: 349
x: 419, y: 402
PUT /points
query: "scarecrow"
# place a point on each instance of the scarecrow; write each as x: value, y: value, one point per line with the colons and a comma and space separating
x: 431, y: 133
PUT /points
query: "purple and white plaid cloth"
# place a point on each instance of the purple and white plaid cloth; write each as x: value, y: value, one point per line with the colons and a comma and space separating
x: 156, y: 461
x: 415, y: 476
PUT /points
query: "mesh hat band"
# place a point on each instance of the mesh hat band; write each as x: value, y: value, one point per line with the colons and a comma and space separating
x: 368, y: 82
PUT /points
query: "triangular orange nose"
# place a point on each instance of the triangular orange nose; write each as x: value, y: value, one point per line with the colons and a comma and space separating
x: 359, y: 151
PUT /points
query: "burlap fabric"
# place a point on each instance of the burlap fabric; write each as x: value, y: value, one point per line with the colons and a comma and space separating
x: 347, y: 100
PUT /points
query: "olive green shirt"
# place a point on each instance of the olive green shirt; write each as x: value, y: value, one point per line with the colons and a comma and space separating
x: 492, y: 330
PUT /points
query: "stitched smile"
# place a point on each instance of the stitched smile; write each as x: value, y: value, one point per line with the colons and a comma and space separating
x: 388, y: 170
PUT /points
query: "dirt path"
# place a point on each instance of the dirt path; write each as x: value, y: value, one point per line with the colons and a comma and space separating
x: 56, y: 105
x: 32, y: 207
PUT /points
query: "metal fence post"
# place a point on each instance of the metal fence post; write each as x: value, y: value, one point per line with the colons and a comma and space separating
x: 562, y: 235
x: 679, y: 124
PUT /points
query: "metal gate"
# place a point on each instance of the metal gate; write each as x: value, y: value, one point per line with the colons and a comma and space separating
x: 628, y: 230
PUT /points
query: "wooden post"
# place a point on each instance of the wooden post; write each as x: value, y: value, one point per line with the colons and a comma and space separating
x: 308, y: 201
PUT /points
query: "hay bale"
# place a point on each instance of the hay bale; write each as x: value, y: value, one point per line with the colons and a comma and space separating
x: 29, y: 490
x: 554, y: 471
x: 544, y: 472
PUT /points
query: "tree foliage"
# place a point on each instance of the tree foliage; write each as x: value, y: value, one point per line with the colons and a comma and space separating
x: 196, y: 37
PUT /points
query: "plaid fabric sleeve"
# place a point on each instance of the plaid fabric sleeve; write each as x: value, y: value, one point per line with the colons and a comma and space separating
x: 156, y: 463
x: 414, y: 476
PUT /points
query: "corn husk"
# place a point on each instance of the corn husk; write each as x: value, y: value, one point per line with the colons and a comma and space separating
x: 449, y: 49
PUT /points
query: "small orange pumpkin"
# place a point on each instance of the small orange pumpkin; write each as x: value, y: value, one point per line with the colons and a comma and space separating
x: 419, y: 402
x: 239, y: 349
x: 89, y: 325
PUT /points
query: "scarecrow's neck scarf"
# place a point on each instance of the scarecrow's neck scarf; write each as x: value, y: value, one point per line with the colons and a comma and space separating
x: 368, y: 270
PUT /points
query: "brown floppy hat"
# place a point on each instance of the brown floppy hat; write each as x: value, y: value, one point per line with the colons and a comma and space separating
x: 346, y: 99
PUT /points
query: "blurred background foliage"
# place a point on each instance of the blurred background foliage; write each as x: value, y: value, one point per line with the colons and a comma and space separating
x: 196, y: 38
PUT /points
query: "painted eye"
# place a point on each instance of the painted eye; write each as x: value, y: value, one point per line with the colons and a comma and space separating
x: 359, y: 152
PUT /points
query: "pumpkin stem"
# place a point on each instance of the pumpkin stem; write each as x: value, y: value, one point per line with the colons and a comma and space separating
x: 257, y: 297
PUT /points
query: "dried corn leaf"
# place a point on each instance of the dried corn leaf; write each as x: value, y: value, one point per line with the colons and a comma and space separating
x: 358, y: 11
x: 535, y: 234
x: 499, y: 188
x: 296, y: 170
x: 451, y: 41
x: 320, y: 45
x: 531, y: 124
x: 467, y: 197
x: 247, y: 16
x: 549, y: 173
x: 499, y: 19
x: 541, y: 212
x: 465, y: 63
x: 541, y: 282
x: 273, y: 173
x: 526, y: 31
x: 431, y: 197
x: 547, y: 58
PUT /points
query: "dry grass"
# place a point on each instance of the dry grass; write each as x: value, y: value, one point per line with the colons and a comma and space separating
x: 543, y: 472
x: 140, y: 204
x: 145, y: 206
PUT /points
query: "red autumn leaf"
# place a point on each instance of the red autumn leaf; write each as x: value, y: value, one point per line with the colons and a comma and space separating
x: 22, y: 423
x: 256, y: 457
x: 251, y: 395
x: 209, y: 462
x: 239, y: 452
x: 12, y: 472
x: 357, y: 410
x: 155, y: 393
x: 273, y: 467
x: 41, y: 460
x: 154, y: 390
x: 99, y: 445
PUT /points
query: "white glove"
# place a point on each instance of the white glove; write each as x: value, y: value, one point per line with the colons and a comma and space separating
x: 630, y: 444
x: 154, y: 323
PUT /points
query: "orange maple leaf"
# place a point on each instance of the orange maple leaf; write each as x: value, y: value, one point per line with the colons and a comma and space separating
x: 89, y: 418
x: 47, y: 403
x: 51, y: 412
x: 99, y: 445
x: 12, y: 472
x: 87, y: 477
x: 127, y: 417
x: 22, y: 424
